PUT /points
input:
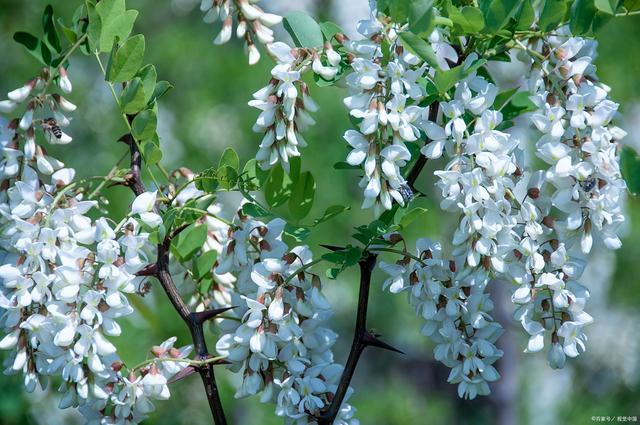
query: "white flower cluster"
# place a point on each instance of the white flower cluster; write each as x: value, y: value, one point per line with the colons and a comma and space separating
x: 64, y: 277
x: 385, y: 98
x: 252, y: 23
x: 575, y: 199
x: 450, y: 296
x: 277, y: 339
x: 530, y: 226
x: 285, y: 102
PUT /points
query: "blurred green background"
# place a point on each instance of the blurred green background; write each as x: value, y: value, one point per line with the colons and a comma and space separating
x: 208, y: 111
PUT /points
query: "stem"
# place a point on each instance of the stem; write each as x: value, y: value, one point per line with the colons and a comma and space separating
x: 187, y: 361
x: 361, y: 339
x: 399, y: 252
x: 126, y: 121
x: 194, y: 321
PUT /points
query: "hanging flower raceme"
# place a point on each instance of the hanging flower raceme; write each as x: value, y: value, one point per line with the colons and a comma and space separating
x: 285, y: 104
x: 65, y: 277
x: 277, y: 340
x: 450, y: 296
x: 385, y: 97
x: 252, y: 23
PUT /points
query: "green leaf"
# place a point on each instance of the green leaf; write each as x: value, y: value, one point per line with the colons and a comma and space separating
x: 295, y: 165
x: 631, y: 5
x: 582, y: 15
x: 207, y: 180
x: 227, y: 177
x: 330, y: 29
x: 254, y: 210
x: 38, y: 49
x: 607, y: 6
x: 116, y: 22
x: 421, y: 16
x: 162, y: 87
x: 552, y: 14
x: 132, y: 97
x: 303, y: 29
x: 446, y: 79
x: 144, y: 125
x: 411, y: 215
x: 49, y: 28
x: 329, y: 213
x: 419, y: 47
x: 526, y: 16
x: 148, y: 75
x: 94, y: 28
x: 297, y: 233
x: 467, y: 20
x: 125, y: 62
x: 69, y: 33
x: 630, y: 167
x: 399, y: 10
x: 253, y: 176
x: 499, y: 12
x: 229, y: 158
x: 204, y: 264
x: 343, y: 165
x: 190, y: 241
x: 151, y: 153
x: 302, y: 195
x: 276, y: 188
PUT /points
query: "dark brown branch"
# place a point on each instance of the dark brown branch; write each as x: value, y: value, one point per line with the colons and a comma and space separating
x: 361, y: 339
x: 194, y: 321
x: 422, y: 160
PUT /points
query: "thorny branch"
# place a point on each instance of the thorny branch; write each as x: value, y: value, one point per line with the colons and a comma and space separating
x: 362, y: 338
x: 194, y: 321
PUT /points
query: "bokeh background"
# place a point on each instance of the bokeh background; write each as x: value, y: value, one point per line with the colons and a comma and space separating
x: 208, y: 111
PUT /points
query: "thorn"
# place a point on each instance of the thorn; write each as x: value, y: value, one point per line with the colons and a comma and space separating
x: 372, y: 339
x: 189, y: 370
x: 148, y: 270
x: 202, y: 316
x: 332, y: 247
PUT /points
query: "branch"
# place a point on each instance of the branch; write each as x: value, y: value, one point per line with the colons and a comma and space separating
x: 362, y: 338
x: 194, y: 321
x: 422, y: 160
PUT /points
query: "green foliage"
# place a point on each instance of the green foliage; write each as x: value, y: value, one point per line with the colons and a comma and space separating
x: 342, y: 260
x: 302, y: 195
x: 51, y: 37
x: 421, y: 19
x: 630, y: 167
x: 125, y: 61
x: 419, y: 47
x: 277, y: 188
x: 144, y: 125
x: 552, y: 14
x: 303, y: 29
x: 132, y: 97
x: 115, y: 23
x: 189, y: 241
x: 37, y: 48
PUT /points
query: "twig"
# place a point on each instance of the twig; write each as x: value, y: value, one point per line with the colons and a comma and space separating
x: 362, y: 338
x: 194, y: 321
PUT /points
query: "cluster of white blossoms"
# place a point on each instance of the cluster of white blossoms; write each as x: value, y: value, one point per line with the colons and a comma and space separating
x: 386, y: 96
x: 450, y: 296
x: 275, y: 337
x: 578, y: 197
x: 252, y: 23
x: 285, y: 102
x: 529, y: 226
x: 64, y: 277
